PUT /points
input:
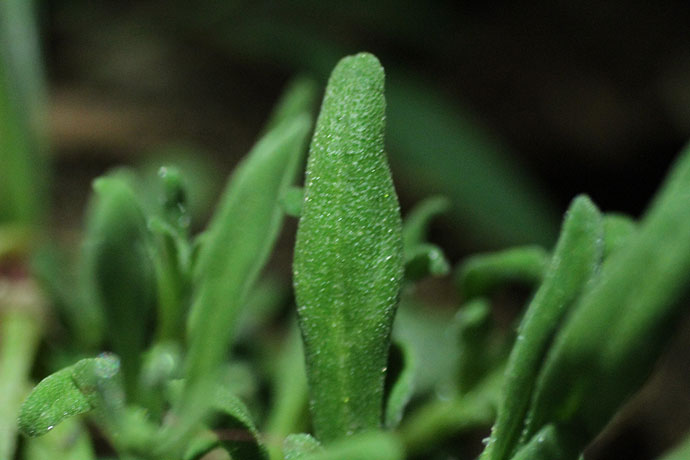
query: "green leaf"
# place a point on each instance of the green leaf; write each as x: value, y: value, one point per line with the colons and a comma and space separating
x: 401, y: 356
x: 416, y: 223
x: 68, y: 392
x: 200, y: 445
x: 423, y: 260
x: 298, y: 446
x: 617, y: 231
x: 440, y: 418
x: 292, y: 201
x: 480, y: 274
x: 160, y: 364
x: 473, y: 326
x: 119, y: 270
x: 679, y: 452
x: 235, y: 247
x: 609, y: 344
x: 172, y: 263
x: 547, y: 444
x: 55, y: 398
x: 237, y: 433
x: 20, y: 333
x: 57, y: 273
x: 348, y: 254
x: 23, y: 183
x: 300, y: 96
x: 575, y: 261
x: 418, y: 325
x: 443, y: 148
x: 289, y: 394
x: 364, y: 446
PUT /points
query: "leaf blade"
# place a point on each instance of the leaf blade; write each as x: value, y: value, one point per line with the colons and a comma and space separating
x: 348, y: 254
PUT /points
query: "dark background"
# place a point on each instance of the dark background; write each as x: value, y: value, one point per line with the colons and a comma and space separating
x: 559, y: 97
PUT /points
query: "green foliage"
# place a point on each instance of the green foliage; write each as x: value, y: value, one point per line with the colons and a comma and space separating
x: 226, y: 370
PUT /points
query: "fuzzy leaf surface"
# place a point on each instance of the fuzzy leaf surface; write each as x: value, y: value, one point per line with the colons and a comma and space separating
x: 348, y: 264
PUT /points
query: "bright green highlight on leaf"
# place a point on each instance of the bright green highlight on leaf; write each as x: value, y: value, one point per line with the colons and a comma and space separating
x: 348, y: 253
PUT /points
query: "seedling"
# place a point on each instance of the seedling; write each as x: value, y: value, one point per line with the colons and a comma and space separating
x: 359, y: 369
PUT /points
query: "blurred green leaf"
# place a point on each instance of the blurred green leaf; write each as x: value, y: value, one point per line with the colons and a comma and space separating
x: 235, y: 247
x: 201, y: 179
x: 171, y: 258
x: 293, y: 201
x: 119, y: 271
x: 237, y: 433
x: 437, y: 147
x: 200, y: 445
x: 679, y: 452
x: 617, y: 231
x: 574, y: 263
x: 298, y: 446
x: 443, y: 416
x: 20, y: 333
x: 416, y: 222
x: 299, y: 96
x: 348, y: 253
x: 57, y: 274
x: 402, y: 356
x: 425, y: 260
x: 472, y: 325
x: 423, y: 328
x: 23, y: 174
x: 363, y: 446
x: 289, y: 395
x: 68, y: 441
x: 480, y: 274
x: 548, y: 444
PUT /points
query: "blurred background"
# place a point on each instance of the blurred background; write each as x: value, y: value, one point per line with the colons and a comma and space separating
x: 507, y: 108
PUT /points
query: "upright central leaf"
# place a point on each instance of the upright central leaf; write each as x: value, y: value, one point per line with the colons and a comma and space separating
x: 348, y: 257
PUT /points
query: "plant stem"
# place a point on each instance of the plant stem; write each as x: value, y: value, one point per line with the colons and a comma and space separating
x: 20, y: 327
